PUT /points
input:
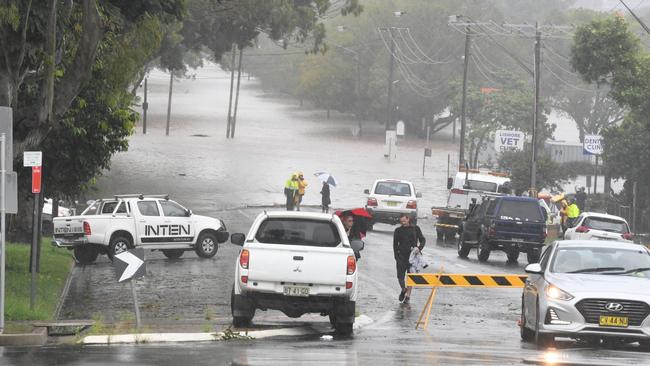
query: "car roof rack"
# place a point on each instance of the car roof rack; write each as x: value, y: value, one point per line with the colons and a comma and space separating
x: 142, y: 196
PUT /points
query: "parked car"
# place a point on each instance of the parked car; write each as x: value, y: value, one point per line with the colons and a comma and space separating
x: 598, y: 226
x: 388, y: 199
x: 588, y: 290
x: 298, y: 263
x: 511, y: 224
x: 113, y: 225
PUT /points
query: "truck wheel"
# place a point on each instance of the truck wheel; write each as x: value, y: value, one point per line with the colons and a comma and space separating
x: 206, y: 246
x: 440, y: 235
x: 173, y: 253
x: 533, y: 256
x: 119, y: 244
x: 239, y: 320
x: 450, y: 235
x: 483, y: 249
x: 513, y: 255
x: 85, y: 254
x: 463, y: 249
x: 343, y: 328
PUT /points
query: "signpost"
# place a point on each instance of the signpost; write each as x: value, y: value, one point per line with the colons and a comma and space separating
x: 506, y: 140
x: 129, y: 266
x: 8, y: 194
x: 34, y: 160
x: 592, y: 145
x: 390, y: 149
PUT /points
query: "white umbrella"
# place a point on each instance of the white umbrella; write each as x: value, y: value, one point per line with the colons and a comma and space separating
x: 326, y: 177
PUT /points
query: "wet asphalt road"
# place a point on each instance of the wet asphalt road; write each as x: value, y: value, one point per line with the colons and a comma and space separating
x: 215, y: 176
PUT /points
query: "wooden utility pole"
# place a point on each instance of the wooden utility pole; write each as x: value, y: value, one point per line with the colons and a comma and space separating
x: 234, y: 116
x: 169, y: 100
x: 145, y: 106
x: 463, y: 108
x: 533, y: 159
x: 391, y: 65
x: 233, y: 51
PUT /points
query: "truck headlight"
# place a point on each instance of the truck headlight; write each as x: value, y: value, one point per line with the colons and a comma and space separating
x: 555, y: 293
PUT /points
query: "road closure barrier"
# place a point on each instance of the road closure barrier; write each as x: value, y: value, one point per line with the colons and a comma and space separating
x: 436, y: 280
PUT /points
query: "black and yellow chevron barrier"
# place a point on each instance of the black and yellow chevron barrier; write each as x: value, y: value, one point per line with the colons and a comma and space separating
x: 464, y: 280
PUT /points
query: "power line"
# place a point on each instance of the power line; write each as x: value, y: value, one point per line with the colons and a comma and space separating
x: 478, y: 67
x: 565, y: 82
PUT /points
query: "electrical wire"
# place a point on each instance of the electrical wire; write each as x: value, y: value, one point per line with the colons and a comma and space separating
x: 478, y: 68
x: 478, y: 50
x: 424, y: 55
x: 565, y: 82
x: 390, y: 51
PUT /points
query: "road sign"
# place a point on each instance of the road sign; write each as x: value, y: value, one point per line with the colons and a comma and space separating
x: 32, y: 158
x: 390, y: 148
x: 506, y: 140
x: 592, y: 145
x: 400, y: 128
x: 36, y: 179
x: 129, y: 265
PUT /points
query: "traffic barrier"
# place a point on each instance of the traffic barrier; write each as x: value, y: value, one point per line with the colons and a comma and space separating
x: 436, y: 280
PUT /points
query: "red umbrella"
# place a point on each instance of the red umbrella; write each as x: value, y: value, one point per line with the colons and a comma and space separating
x: 362, y: 218
x: 360, y: 212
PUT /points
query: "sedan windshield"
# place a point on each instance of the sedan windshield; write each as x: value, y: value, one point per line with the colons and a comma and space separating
x: 298, y: 232
x: 602, y: 260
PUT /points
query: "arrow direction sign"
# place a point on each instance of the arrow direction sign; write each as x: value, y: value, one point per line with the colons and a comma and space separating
x: 130, y: 265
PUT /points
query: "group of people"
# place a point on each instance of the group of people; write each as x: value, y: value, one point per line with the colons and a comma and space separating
x: 571, y: 208
x: 294, y: 191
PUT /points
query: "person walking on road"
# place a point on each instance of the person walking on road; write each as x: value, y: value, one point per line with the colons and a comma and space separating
x: 291, y: 191
x: 325, y: 198
x: 302, y: 185
x: 405, y: 239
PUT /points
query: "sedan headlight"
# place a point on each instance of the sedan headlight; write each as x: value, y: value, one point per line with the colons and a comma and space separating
x: 555, y: 293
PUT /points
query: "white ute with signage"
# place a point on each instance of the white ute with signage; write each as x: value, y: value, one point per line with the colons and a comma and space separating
x: 114, y: 225
x: 298, y: 263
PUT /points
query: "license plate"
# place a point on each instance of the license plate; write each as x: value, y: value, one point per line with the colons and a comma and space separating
x: 518, y: 240
x: 392, y: 203
x: 613, y: 321
x: 296, y: 291
x: 68, y: 230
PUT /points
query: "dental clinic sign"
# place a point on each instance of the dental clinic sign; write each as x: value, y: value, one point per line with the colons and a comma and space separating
x: 592, y: 145
x: 505, y: 140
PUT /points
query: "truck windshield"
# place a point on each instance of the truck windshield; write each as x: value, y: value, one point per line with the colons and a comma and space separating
x: 298, y: 232
x: 520, y: 211
x: 479, y: 185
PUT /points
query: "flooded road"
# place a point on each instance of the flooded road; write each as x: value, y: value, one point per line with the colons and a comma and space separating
x: 213, y: 175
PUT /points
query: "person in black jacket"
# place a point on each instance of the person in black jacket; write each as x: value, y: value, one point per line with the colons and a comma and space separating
x: 325, y: 197
x: 405, y: 238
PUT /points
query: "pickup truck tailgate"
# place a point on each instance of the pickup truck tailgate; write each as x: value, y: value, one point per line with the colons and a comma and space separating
x: 68, y: 227
x: 298, y: 264
x: 513, y: 229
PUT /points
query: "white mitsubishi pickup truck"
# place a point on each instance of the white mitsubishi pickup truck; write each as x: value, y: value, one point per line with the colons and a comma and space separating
x: 298, y: 263
x: 114, y: 225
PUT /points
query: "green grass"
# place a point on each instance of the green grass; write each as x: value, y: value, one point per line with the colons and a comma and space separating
x: 55, y: 264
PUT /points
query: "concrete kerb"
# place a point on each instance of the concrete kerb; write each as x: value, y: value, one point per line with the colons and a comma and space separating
x: 142, y: 338
x: 38, y: 337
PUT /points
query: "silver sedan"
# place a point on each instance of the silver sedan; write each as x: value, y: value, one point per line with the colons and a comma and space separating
x: 588, y: 290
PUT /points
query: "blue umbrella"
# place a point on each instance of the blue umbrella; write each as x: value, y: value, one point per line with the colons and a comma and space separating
x: 326, y: 177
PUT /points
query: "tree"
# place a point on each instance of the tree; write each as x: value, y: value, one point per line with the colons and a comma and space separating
x: 550, y: 175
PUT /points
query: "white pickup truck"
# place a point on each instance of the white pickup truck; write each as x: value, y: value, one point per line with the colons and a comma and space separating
x: 298, y: 263
x: 114, y: 225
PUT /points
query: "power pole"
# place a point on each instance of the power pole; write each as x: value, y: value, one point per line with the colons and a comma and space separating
x: 232, y: 81
x: 169, y: 100
x: 463, y: 108
x: 533, y: 159
x: 234, y: 117
x: 391, y: 65
x: 145, y: 106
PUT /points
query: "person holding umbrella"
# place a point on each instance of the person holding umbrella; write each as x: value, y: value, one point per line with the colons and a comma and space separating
x: 328, y: 180
x: 325, y: 198
x: 405, y: 239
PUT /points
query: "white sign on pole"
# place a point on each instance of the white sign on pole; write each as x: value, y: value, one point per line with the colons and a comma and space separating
x: 592, y: 145
x: 390, y: 149
x: 505, y: 140
x: 399, y: 128
x: 32, y: 158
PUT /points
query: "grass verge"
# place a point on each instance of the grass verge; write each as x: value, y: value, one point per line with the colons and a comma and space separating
x: 55, y: 264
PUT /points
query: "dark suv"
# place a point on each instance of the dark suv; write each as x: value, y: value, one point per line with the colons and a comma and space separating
x: 511, y: 224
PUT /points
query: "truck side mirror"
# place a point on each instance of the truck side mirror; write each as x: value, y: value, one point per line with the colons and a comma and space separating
x: 238, y: 238
x: 356, y: 245
x: 450, y: 182
x: 366, y: 191
x: 418, y: 195
x: 188, y: 212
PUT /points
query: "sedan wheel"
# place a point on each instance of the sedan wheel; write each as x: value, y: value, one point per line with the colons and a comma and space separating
x: 542, y: 340
x: 527, y: 335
